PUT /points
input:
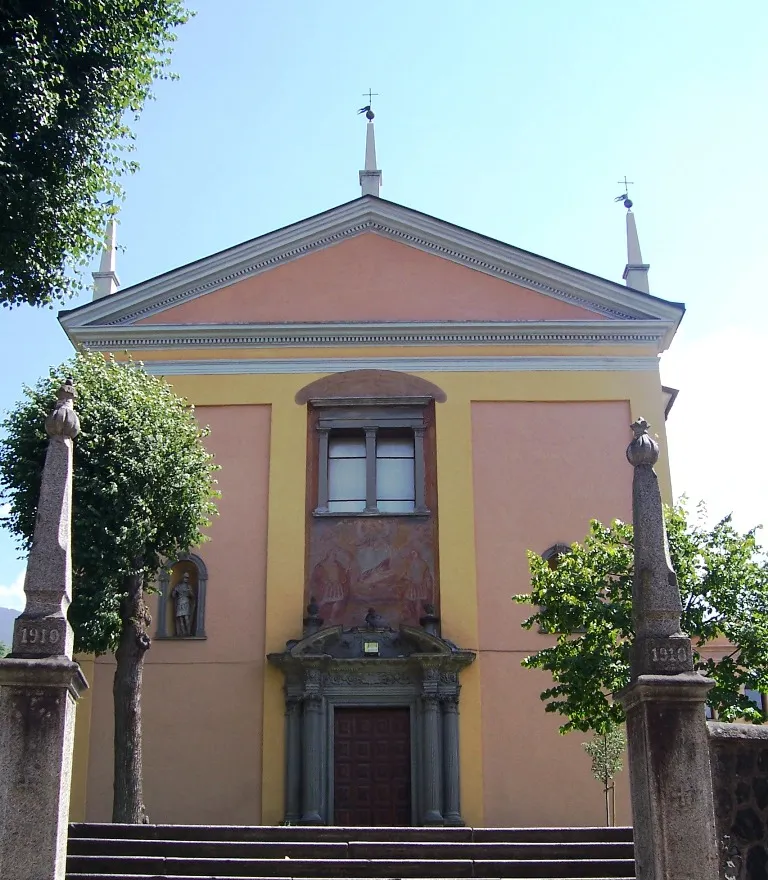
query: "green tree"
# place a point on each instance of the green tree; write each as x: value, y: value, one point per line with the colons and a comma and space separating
x: 70, y: 73
x: 143, y: 490
x: 585, y: 601
x: 607, y: 753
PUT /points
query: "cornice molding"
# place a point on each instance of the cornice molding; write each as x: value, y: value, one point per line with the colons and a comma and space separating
x: 482, y: 333
x: 267, y: 366
x: 471, y: 249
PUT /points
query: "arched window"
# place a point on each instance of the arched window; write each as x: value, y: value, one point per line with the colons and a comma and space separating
x: 181, y: 607
x: 552, y: 555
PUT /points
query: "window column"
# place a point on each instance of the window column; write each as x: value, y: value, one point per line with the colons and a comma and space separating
x: 370, y: 470
x: 322, y: 470
x: 419, y: 470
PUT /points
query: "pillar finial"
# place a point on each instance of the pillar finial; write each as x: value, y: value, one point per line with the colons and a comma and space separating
x: 643, y: 450
x: 63, y: 420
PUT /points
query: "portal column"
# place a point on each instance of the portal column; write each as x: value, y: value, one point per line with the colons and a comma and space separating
x: 431, y: 741
x: 451, y: 794
x: 293, y: 759
x: 312, y: 765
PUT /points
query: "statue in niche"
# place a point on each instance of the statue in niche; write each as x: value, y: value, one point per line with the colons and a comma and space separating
x: 183, y: 595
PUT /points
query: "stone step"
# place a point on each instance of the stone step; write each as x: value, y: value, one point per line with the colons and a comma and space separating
x: 353, y: 849
x: 221, y: 877
x: 336, y: 833
x: 157, y: 866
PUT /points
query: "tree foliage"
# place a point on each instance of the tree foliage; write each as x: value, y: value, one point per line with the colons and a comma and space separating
x: 70, y: 72
x: 142, y: 493
x: 143, y: 487
x: 3, y: 650
x: 607, y: 753
x: 585, y: 601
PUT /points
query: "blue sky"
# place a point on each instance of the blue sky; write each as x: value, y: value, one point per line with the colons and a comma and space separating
x: 514, y: 118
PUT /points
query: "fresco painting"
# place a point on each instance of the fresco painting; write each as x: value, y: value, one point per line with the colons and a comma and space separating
x: 382, y: 563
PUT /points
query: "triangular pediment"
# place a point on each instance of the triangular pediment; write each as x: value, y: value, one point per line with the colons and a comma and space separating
x: 371, y: 278
x: 369, y: 262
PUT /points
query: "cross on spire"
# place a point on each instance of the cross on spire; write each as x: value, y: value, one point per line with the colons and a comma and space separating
x: 370, y: 95
x: 626, y: 184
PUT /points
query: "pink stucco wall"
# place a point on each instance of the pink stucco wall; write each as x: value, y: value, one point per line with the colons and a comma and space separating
x: 541, y: 472
x: 202, y: 700
x: 370, y: 278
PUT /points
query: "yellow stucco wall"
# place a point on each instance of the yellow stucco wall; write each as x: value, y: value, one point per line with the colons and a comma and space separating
x: 285, y: 536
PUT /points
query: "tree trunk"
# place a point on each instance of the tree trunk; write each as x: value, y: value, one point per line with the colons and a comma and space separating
x: 128, y: 797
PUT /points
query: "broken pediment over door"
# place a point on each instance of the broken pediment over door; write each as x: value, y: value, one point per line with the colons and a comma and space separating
x: 372, y: 667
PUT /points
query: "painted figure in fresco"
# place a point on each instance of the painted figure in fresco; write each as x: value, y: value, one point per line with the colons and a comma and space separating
x: 331, y: 581
x: 183, y: 599
x: 419, y: 584
x: 377, y: 578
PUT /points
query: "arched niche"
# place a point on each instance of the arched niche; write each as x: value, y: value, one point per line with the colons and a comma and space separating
x: 182, y: 588
x: 553, y: 554
x: 369, y: 384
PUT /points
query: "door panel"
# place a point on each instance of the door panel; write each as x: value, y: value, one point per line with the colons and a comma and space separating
x: 372, y: 766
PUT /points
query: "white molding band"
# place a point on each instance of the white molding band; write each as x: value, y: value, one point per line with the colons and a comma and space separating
x: 479, y: 333
x: 266, y: 366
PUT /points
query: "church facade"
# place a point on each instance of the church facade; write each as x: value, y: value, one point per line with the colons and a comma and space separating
x: 401, y: 408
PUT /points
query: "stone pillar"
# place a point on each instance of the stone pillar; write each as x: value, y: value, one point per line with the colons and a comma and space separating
x: 39, y: 682
x: 292, y: 759
x: 451, y: 791
x: 431, y: 760
x: 669, y: 764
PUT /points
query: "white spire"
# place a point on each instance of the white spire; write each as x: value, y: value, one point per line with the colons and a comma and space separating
x: 105, y: 281
x: 636, y: 271
x: 370, y: 177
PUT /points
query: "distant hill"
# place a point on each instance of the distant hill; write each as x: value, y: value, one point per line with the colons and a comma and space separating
x: 7, y: 616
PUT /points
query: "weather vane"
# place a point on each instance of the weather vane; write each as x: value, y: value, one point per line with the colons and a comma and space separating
x: 624, y: 197
x: 367, y: 109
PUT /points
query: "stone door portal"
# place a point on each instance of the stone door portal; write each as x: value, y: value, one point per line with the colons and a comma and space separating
x: 363, y: 706
x: 372, y: 766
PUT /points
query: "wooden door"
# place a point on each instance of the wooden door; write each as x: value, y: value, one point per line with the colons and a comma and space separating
x: 372, y: 766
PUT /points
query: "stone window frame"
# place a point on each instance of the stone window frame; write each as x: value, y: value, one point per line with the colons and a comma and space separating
x: 371, y: 415
x: 162, y: 610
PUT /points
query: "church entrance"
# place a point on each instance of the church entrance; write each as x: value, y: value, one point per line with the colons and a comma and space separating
x: 372, y: 766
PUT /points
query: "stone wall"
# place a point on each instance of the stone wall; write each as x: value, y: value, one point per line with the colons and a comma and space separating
x: 739, y: 754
